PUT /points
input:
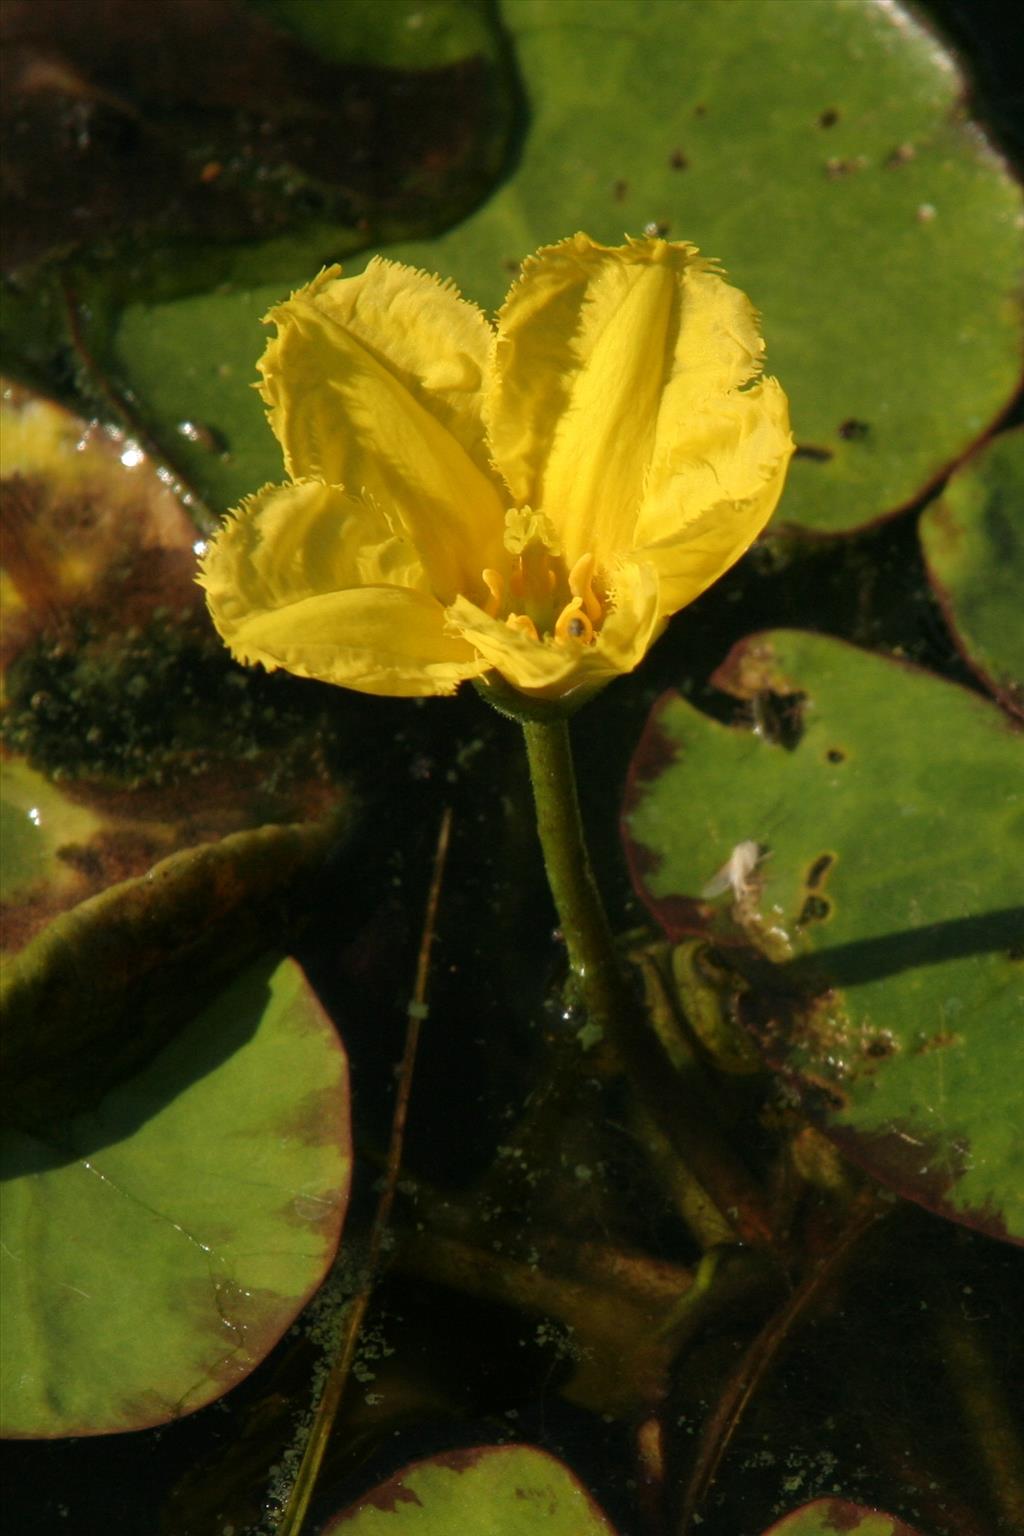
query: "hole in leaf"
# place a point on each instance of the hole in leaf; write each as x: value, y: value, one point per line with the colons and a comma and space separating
x: 779, y: 717
x: 815, y: 910
x: 822, y: 864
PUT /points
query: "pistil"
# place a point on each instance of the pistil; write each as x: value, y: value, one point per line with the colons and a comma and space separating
x: 531, y: 585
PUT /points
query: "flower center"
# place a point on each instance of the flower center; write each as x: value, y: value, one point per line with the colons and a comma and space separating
x: 537, y: 595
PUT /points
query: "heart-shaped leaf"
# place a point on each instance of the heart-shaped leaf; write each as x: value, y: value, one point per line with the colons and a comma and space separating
x: 883, y: 810
x: 156, y: 1248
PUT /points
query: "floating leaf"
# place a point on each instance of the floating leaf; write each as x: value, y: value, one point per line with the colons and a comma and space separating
x: 250, y: 144
x: 508, y: 1490
x: 243, y: 123
x: 98, y: 991
x: 973, y: 547
x: 211, y: 1188
x: 128, y: 731
x: 829, y: 1517
x: 890, y: 288
x: 887, y: 808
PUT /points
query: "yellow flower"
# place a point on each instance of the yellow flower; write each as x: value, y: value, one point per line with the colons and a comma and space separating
x: 532, y: 500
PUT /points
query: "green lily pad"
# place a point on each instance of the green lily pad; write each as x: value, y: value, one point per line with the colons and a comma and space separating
x: 211, y: 1187
x: 97, y: 993
x: 489, y: 1490
x: 828, y: 1517
x: 880, y: 929
x: 973, y: 547
x: 823, y: 151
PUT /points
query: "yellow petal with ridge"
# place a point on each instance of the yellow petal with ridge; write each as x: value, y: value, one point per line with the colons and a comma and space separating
x: 603, y: 356
x: 350, y: 406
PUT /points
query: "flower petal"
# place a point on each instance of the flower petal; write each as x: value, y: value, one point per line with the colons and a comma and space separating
x: 307, y: 578
x: 603, y: 356
x: 711, y: 492
x: 373, y: 382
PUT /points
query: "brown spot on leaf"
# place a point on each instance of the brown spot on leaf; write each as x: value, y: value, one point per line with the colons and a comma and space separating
x: 937, y: 1042
x: 901, y: 155
x: 852, y: 430
x: 840, y: 1515
x: 814, y: 452
x: 837, y: 167
x: 678, y: 161
x: 750, y: 668
x: 460, y: 1460
x: 387, y: 1497
x: 620, y: 190
x: 828, y: 118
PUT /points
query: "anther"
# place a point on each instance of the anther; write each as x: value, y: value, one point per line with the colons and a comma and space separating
x: 495, y: 585
x: 524, y: 624
x: 580, y: 578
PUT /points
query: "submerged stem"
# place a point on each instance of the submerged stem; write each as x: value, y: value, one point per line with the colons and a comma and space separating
x: 687, y: 1124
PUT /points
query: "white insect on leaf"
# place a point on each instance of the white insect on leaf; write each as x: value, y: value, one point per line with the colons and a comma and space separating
x: 737, y: 873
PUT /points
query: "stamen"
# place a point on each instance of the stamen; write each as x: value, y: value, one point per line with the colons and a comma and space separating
x: 573, y: 624
x: 524, y: 624
x: 495, y: 585
x: 580, y: 579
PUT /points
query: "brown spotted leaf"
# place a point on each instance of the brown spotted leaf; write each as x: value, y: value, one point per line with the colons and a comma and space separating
x: 128, y: 733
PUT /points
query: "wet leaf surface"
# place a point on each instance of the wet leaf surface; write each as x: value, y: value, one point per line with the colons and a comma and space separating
x: 973, y: 547
x: 222, y: 1169
x: 509, y: 1490
x: 880, y: 931
x: 127, y: 731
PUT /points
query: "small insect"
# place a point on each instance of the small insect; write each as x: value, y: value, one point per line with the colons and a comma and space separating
x: 737, y: 874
